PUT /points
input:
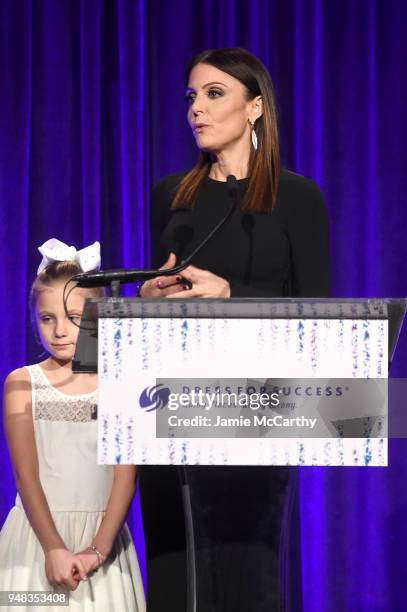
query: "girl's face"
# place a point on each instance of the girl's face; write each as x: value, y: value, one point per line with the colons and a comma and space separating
x: 58, y: 334
x: 219, y: 111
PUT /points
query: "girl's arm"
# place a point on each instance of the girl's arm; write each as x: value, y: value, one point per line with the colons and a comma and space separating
x: 123, y: 488
x: 19, y: 428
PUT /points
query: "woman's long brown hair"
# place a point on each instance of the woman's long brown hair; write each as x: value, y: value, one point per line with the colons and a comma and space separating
x: 264, y: 164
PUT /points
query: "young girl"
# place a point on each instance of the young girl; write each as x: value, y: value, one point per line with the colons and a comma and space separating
x: 65, y: 532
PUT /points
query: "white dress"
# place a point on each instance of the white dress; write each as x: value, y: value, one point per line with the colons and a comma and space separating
x: 77, y: 491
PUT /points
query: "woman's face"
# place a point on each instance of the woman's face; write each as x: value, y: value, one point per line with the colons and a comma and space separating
x: 218, y: 111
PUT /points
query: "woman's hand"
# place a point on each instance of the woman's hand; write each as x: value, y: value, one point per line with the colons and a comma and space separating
x: 64, y: 568
x: 204, y: 284
x: 163, y: 286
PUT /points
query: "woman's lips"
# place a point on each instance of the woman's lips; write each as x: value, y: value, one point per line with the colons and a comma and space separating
x: 199, y: 127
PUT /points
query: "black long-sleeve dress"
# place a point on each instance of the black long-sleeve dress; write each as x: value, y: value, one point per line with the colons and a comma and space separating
x: 245, y: 518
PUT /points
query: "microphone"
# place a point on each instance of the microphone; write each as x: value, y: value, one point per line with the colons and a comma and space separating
x: 104, y: 278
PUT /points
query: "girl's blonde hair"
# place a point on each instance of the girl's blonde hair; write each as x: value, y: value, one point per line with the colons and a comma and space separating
x: 55, y: 272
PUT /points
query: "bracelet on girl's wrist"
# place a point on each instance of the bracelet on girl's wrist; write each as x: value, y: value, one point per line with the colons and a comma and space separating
x: 100, y: 556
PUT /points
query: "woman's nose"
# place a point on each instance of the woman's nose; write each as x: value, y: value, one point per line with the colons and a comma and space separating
x: 197, y: 105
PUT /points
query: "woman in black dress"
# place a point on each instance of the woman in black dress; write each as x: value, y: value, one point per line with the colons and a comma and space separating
x: 274, y: 245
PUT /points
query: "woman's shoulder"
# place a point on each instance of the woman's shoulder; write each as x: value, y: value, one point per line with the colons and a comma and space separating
x: 169, y: 184
x: 298, y: 194
x: 164, y: 192
x: 291, y: 181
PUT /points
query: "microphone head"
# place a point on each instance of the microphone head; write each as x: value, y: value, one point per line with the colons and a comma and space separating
x: 231, y: 182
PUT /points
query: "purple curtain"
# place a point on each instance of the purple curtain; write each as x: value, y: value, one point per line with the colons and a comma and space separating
x: 92, y: 113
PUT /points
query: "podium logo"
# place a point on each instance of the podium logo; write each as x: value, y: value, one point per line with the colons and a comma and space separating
x: 154, y: 398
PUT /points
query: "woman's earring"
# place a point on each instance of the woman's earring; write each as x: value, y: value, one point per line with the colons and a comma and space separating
x: 254, y: 136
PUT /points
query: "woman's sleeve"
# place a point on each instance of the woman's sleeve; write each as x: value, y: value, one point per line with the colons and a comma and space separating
x: 308, y: 233
x: 160, y: 203
x: 161, y: 199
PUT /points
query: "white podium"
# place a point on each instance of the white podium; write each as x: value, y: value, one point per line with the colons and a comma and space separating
x: 214, y: 501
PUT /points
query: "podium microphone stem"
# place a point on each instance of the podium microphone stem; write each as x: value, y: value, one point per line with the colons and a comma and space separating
x: 115, y: 288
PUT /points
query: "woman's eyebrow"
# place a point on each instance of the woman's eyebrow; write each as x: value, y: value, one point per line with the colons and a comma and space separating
x: 208, y: 84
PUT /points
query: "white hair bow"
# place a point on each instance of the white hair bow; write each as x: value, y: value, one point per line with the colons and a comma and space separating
x: 55, y: 250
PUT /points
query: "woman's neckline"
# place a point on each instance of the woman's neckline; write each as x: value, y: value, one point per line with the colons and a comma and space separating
x: 212, y: 180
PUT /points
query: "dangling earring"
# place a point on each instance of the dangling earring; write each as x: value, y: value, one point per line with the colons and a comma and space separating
x: 254, y: 136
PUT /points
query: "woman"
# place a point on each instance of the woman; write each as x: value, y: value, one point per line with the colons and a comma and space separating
x: 274, y: 245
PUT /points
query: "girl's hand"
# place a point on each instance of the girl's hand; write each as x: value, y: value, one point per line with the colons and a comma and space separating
x: 204, y: 284
x: 89, y: 560
x: 64, y: 568
x: 162, y: 286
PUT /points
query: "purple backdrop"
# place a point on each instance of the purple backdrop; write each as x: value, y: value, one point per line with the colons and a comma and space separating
x: 92, y: 112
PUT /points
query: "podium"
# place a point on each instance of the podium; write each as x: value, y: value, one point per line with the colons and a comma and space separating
x: 219, y: 495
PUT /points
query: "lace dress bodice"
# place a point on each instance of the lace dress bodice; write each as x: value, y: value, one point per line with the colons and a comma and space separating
x: 66, y: 439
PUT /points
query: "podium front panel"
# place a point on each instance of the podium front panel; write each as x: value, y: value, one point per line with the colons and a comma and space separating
x: 144, y: 360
